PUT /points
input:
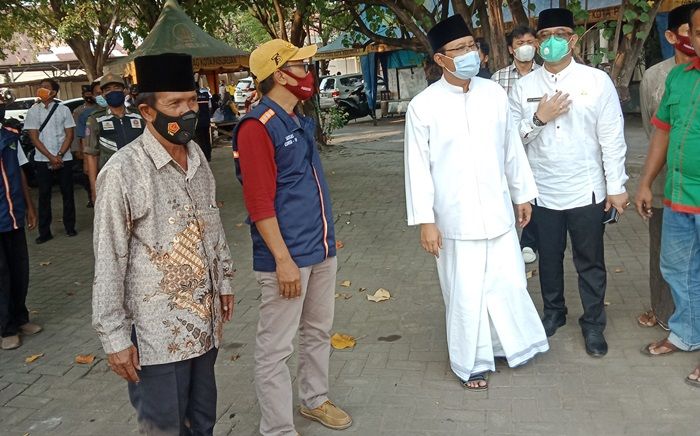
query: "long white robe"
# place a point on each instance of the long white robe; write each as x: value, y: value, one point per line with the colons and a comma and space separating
x: 465, y: 166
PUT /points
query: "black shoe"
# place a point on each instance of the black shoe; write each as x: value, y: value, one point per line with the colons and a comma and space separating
x: 71, y: 233
x: 552, y: 322
x: 595, y: 343
x: 42, y: 239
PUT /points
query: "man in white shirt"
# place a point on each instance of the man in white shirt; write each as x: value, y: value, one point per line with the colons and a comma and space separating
x: 53, y: 157
x: 522, y: 45
x: 465, y: 167
x: 570, y: 119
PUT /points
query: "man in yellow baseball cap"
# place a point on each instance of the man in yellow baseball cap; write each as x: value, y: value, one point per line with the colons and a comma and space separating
x: 291, y: 221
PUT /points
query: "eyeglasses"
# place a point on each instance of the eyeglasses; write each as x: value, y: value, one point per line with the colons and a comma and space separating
x: 305, y: 66
x: 563, y: 34
x: 462, y: 49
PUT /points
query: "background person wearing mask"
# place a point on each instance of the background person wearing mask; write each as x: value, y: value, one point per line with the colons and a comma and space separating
x: 52, y: 140
x: 650, y: 92
x: 522, y: 45
x: 111, y: 128
x: 15, y: 206
x: 571, y: 123
x: 88, y: 107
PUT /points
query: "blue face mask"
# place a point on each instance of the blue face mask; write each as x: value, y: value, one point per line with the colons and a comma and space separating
x: 115, y: 98
x: 100, y: 100
x: 554, y: 49
x: 466, y: 65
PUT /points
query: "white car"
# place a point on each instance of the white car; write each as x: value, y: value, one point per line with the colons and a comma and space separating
x: 244, y: 89
x: 18, y: 108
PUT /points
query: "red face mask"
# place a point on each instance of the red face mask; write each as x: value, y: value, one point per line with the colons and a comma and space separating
x: 684, y: 45
x: 305, y: 87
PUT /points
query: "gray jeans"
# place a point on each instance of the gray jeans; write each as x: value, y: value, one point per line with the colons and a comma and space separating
x: 280, y: 318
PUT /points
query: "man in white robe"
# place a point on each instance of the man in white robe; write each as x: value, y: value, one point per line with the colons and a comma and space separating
x: 465, y: 166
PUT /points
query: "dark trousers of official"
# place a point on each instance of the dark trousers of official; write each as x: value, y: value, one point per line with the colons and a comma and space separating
x: 176, y: 399
x: 661, y: 298
x: 45, y: 178
x: 14, y: 281
x: 528, y: 238
x: 585, y: 228
x: 204, y: 140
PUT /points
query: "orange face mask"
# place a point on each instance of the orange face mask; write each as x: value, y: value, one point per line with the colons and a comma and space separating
x: 43, y: 93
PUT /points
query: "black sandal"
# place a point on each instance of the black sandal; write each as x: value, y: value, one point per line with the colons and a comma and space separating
x: 482, y: 376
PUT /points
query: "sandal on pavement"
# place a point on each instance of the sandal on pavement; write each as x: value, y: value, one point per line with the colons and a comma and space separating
x: 481, y: 377
x: 647, y: 319
x: 665, y: 343
x: 695, y: 382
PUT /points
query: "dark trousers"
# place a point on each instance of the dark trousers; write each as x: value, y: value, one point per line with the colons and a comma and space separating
x: 82, y: 179
x: 14, y: 281
x: 177, y: 398
x: 585, y: 227
x: 45, y: 178
x: 661, y: 298
x: 201, y: 136
x: 528, y: 238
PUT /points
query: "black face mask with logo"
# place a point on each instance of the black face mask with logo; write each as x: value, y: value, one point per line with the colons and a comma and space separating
x: 178, y: 130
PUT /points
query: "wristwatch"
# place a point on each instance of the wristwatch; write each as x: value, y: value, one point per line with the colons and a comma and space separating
x: 60, y: 154
x: 536, y: 121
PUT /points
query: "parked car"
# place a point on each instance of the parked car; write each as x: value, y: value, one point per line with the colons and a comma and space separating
x: 244, y: 89
x: 73, y: 103
x: 333, y: 88
x: 18, y: 108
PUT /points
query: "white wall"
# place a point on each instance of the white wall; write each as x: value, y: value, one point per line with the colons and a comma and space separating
x: 345, y: 66
x: 411, y: 81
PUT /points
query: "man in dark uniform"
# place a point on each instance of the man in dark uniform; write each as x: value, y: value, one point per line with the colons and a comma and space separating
x: 16, y: 211
x: 202, y: 136
x: 111, y: 128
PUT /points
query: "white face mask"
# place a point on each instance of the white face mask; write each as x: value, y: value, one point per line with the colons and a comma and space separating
x: 524, y: 53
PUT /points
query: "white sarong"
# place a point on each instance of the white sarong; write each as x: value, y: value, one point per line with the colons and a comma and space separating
x: 489, y: 312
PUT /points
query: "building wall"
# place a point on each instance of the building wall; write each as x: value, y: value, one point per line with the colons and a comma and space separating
x: 410, y: 82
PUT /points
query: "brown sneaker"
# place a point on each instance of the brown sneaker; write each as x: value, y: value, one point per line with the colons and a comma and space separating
x: 329, y: 415
x: 11, y: 342
x: 30, y: 328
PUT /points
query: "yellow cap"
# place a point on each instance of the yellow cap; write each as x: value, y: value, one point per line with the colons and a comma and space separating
x: 270, y: 57
x: 111, y: 78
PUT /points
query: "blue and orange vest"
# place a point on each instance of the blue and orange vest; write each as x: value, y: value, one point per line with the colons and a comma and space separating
x: 302, y: 200
x: 12, y: 206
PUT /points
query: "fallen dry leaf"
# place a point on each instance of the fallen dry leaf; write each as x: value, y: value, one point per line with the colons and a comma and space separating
x: 362, y: 290
x: 239, y: 225
x: 344, y: 295
x: 47, y: 263
x: 380, y: 295
x: 340, y: 341
x: 530, y: 274
x: 339, y: 244
x: 619, y: 270
x: 33, y: 357
x: 607, y: 303
x: 84, y: 359
x: 235, y: 357
x: 345, y: 283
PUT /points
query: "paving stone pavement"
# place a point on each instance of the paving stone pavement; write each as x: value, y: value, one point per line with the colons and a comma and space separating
x: 396, y: 381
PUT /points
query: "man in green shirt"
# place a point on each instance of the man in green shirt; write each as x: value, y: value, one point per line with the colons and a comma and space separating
x: 676, y: 142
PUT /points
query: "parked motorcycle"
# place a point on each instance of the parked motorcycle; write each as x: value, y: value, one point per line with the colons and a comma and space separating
x: 355, y: 104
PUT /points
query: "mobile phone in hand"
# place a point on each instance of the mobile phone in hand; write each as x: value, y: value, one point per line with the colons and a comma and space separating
x: 611, y: 216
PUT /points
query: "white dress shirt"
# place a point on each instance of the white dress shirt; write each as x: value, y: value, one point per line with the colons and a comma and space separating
x: 54, y: 132
x: 580, y: 154
x: 464, y: 161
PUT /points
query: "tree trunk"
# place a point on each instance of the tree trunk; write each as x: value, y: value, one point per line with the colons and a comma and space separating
x: 81, y: 49
x: 630, y: 51
x: 517, y: 10
x: 299, y: 19
x: 498, y: 58
x: 282, y: 25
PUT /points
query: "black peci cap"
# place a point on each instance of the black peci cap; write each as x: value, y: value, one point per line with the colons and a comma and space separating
x: 555, y: 17
x: 679, y: 16
x: 167, y: 72
x: 447, y: 31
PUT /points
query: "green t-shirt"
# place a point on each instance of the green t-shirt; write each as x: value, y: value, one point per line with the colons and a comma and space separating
x: 679, y: 114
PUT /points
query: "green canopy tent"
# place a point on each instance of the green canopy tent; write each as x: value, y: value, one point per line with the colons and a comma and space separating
x: 175, y: 32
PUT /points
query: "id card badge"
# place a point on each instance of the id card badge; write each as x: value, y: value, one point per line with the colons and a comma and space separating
x: 135, y: 123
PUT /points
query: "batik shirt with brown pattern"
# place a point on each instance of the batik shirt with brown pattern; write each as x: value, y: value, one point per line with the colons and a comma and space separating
x: 161, y: 256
